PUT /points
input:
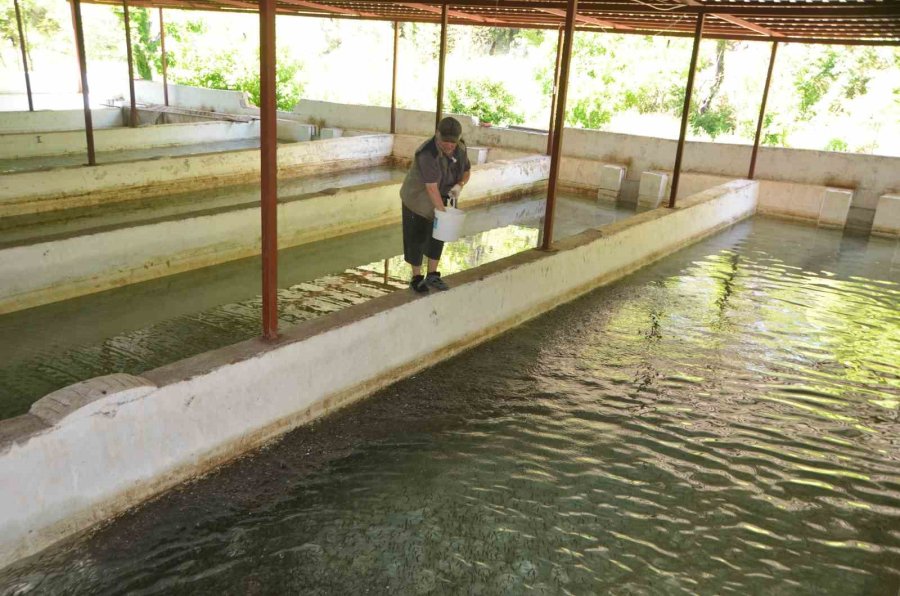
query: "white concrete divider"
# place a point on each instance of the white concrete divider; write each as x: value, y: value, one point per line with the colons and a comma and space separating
x: 58, y: 120
x: 887, y: 217
x: 68, y: 469
x: 61, y: 188
x: 22, y: 145
x: 54, y: 270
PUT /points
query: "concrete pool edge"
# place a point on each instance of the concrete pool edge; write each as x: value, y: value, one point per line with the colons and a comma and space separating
x: 58, y: 269
x: 201, y: 412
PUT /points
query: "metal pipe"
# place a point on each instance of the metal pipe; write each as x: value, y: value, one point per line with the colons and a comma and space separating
x: 685, y: 113
x: 394, y: 79
x: 268, y: 168
x: 24, y: 55
x: 762, y: 111
x: 85, y: 94
x: 162, y: 44
x: 445, y: 18
x: 555, y: 91
x: 132, y: 114
x: 556, y: 150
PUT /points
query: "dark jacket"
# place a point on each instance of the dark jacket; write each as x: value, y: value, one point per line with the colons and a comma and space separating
x: 430, y: 164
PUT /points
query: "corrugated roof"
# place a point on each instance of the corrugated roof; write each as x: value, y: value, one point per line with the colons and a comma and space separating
x: 870, y: 22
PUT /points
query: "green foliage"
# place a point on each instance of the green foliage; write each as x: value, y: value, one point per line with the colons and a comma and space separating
x: 588, y: 112
x: 813, y: 81
x: 489, y: 101
x: 37, y: 22
x: 837, y: 145
x: 144, y: 47
x: 494, y: 40
x: 716, y: 120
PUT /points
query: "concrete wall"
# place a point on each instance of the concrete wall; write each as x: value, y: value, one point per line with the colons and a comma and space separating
x: 869, y: 176
x: 195, y: 98
x: 375, y: 118
x: 34, y: 192
x: 88, y: 452
x: 45, y: 272
x: 14, y: 146
x: 198, y: 98
x: 58, y: 120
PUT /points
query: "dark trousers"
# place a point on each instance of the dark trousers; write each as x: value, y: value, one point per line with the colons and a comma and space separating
x: 417, y: 240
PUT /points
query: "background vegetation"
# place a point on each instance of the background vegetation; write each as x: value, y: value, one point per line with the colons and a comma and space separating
x: 835, y: 98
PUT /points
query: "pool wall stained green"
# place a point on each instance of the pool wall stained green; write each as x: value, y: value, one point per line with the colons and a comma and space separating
x: 90, y: 451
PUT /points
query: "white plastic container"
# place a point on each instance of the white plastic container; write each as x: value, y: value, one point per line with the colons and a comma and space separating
x: 448, y: 224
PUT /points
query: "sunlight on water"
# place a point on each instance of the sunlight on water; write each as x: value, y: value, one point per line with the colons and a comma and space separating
x: 724, y: 421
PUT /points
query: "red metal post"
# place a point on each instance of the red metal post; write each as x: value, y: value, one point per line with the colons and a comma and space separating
x: 394, y: 79
x: 24, y: 55
x: 555, y: 91
x: 132, y: 114
x: 762, y: 111
x: 75, y: 37
x: 162, y: 45
x: 85, y: 95
x: 556, y: 150
x: 445, y: 18
x: 686, y: 110
x: 268, y: 168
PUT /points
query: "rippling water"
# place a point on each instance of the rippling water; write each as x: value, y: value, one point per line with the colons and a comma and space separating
x: 725, y: 421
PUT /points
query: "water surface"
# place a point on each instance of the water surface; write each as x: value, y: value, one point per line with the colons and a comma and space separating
x: 724, y: 421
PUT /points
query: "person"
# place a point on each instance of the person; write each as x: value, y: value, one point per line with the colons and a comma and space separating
x: 439, y: 171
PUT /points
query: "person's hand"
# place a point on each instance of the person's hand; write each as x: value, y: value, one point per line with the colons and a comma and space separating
x: 454, y: 193
x: 440, y: 208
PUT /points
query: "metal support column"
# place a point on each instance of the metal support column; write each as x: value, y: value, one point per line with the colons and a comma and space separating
x: 268, y: 168
x: 75, y: 39
x: 445, y: 18
x: 162, y: 45
x: 762, y: 111
x: 85, y: 95
x: 555, y: 92
x: 24, y: 55
x: 394, y: 79
x: 132, y: 113
x: 556, y: 149
x: 686, y: 110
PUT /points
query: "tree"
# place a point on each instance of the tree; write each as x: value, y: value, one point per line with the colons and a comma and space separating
x: 37, y: 21
x: 488, y: 101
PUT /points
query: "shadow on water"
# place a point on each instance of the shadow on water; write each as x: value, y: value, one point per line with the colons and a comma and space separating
x: 724, y: 421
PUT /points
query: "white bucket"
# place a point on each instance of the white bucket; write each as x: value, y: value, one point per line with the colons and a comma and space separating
x: 448, y: 224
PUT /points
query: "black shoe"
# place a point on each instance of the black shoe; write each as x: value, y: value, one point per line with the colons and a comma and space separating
x: 417, y: 284
x: 433, y: 280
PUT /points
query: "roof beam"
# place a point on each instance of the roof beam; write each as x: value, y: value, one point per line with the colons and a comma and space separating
x: 457, y: 14
x: 736, y: 20
x: 586, y: 19
x: 327, y: 8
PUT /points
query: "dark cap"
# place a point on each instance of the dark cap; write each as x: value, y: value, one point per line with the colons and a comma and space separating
x: 450, y: 130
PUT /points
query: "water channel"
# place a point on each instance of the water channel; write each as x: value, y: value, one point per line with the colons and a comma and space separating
x: 723, y: 421
x: 140, y: 327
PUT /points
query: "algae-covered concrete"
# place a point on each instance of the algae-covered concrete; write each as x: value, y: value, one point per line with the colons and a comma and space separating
x: 65, y: 468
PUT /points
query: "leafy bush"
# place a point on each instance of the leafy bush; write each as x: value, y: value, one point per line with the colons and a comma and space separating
x: 489, y: 101
x: 223, y: 71
x: 837, y: 145
x: 589, y: 112
x: 716, y: 120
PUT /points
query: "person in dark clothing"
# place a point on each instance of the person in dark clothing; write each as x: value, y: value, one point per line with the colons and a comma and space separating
x: 439, y: 171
